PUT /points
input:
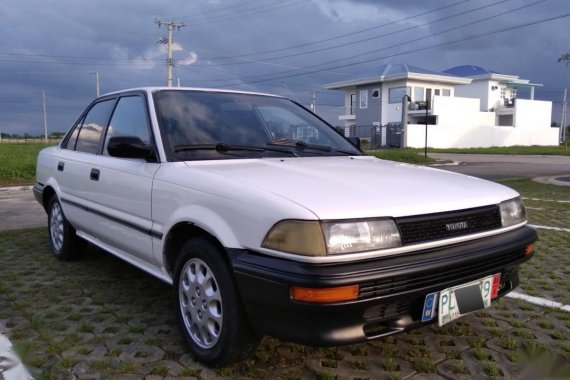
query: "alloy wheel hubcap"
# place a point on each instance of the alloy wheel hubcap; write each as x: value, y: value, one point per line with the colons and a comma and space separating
x: 56, y: 226
x: 200, y: 303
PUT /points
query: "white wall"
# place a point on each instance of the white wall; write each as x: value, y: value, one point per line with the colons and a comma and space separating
x: 478, y: 90
x: 462, y: 125
x: 533, y: 114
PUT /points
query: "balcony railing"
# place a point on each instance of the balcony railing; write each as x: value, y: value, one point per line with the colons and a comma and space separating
x: 347, y: 113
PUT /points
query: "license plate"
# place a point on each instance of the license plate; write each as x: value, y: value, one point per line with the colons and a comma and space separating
x: 463, y: 299
x: 454, y: 302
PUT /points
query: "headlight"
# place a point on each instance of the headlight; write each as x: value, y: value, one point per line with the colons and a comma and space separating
x: 512, y: 212
x: 296, y: 236
x: 312, y: 238
x: 358, y: 236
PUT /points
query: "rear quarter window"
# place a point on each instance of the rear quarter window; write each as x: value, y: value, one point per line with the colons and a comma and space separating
x: 92, y: 127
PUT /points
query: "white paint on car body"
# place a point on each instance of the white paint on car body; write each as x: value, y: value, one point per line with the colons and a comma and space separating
x: 11, y: 368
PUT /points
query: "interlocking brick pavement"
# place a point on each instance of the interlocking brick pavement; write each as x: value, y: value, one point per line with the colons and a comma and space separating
x: 99, y: 318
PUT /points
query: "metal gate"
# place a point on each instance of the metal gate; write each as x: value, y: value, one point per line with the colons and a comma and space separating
x: 377, y: 136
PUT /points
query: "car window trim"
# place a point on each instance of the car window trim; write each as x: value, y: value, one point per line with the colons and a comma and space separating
x: 152, y: 140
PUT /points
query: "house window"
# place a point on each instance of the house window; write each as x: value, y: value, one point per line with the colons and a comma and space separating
x: 364, y: 99
x: 376, y: 93
x: 446, y: 92
x: 503, y: 92
x: 418, y: 94
x: 437, y: 92
x: 395, y: 94
x: 352, y: 104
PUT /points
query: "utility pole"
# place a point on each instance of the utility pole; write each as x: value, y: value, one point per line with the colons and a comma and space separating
x: 170, y: 25
x: 563, y: 117
x: 97, y: 82
x: 314, y: 102
x: 45, y: 116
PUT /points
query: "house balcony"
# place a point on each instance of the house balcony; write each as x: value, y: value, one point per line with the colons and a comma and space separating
x: 506, y: 106
x: 347, y: 113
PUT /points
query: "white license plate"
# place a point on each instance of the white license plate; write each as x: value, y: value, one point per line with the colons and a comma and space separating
x: 463, y: 299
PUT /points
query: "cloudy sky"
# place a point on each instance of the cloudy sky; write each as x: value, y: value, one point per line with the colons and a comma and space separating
x: 288, y: 47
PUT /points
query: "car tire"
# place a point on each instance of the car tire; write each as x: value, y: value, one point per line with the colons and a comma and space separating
x: 208, y: 305
x: 65, y: 244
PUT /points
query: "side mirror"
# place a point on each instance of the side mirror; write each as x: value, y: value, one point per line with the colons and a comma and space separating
x: 129, y: 147
x: 354, y: 141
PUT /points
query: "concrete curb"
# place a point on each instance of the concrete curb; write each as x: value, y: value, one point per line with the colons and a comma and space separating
x: 16, y: 188
x: 551, y: 180
x: 446, y: 163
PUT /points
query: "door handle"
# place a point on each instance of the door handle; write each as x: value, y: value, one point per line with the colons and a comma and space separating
x: 94, y: 174
x: 60, y: 166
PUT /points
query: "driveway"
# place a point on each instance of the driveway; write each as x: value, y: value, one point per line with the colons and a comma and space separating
x: 19, y: 209
x: 496, y: 166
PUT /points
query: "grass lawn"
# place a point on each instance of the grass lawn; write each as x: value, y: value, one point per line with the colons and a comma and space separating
x: 411, y: 156
x: 18, y: 163
x: 535, y: 150
x: 531, y: 189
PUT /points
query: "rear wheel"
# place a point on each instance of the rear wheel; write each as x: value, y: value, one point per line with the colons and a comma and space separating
x: 209, y: 309
x: 65, y: 244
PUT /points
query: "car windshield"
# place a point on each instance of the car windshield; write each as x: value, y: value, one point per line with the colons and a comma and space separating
x: 199, y: 125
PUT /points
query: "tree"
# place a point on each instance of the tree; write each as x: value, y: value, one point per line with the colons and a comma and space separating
x: 565, y: 58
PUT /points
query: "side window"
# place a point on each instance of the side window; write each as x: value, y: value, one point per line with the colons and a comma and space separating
x: 129, y: 119
x: 95, y: 121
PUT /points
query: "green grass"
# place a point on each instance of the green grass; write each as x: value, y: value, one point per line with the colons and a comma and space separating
x: 532, y: 189
x: 534, y: 149
x: 411, y: 156
x: 18, y: 163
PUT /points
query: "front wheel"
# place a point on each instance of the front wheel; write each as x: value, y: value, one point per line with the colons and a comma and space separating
x: 209, y: 309
x: 65, y: 244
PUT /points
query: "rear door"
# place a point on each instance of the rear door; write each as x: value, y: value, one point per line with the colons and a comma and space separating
x: 74, y: 166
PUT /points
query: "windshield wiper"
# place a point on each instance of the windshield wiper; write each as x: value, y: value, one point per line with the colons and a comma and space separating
x: 223, y: 147
x: 302, y: 144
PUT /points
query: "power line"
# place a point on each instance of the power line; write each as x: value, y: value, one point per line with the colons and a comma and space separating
x: 351, y: 43
x: 410, y: 51
x: 248, y: 12
x: 340, y: 35
x: 223, y: 9
x: 400, y: 44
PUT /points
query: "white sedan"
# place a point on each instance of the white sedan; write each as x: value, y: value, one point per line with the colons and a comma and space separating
x: 266, y: 220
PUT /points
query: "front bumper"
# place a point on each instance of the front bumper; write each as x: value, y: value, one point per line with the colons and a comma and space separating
x: 392, y: 289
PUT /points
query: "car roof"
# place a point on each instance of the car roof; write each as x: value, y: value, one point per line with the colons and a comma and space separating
x: 163, y: 88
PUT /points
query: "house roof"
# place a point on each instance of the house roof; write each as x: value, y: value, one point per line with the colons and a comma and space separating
x: 470, y: 71
x: 391, y: 72
x: 480, y: 73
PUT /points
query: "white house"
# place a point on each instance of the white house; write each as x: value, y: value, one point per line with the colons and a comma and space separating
x: 467, y: 106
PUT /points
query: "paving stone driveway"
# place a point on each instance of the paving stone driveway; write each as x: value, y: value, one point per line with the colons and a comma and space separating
x: 100, y: 318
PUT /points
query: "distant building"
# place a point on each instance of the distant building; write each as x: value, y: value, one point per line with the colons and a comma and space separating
x: 468, y: 106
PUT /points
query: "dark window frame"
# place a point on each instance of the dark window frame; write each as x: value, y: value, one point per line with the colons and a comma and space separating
x: 152, y: 140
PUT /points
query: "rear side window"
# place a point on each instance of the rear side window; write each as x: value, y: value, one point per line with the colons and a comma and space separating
x: 129, y: 119
x: 92, y: 127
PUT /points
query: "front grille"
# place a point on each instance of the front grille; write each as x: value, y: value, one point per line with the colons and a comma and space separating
x: 465, y: 271
x: 423, y: 228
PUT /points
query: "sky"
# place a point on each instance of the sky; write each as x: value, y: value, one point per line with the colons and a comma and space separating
x: 286, y: 47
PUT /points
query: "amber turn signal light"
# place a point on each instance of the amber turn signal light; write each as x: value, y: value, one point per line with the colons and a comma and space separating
x: 529, y: 249
x: 324, y: 295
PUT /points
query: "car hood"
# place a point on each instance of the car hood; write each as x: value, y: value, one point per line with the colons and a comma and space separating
x: 356, y: 187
